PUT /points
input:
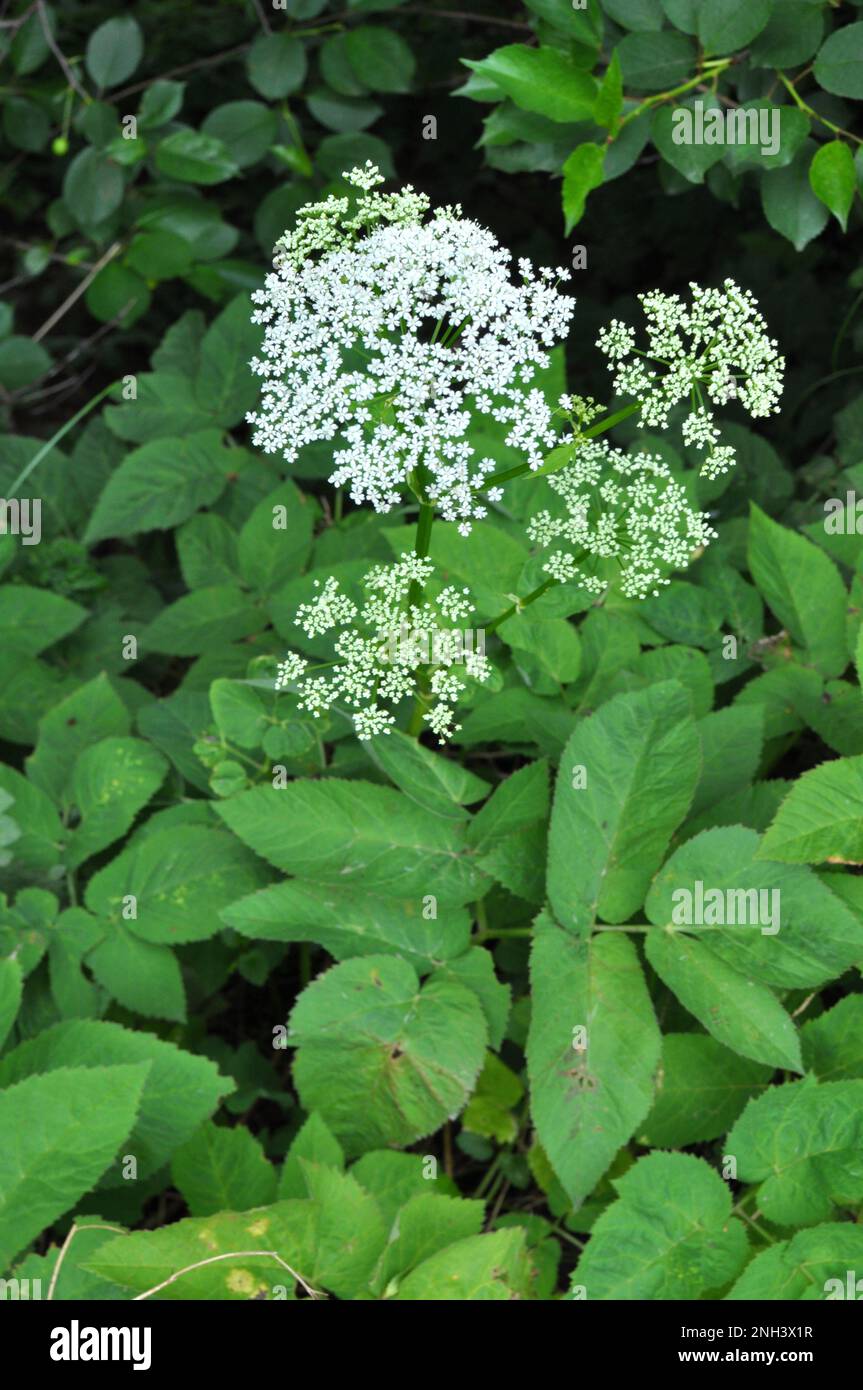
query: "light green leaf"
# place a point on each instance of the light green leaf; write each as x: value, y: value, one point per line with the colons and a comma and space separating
x: 180, y: 1091
x: 801, y: 1268
x: 32, y: 619
x: 160, y: 485
x: 701, y: 1090
x: 221, y: 1169
x: 544, y: 80
x: 821, y: 818
x: 198, y: 621
x: 60, y: 1133
x: 581, y: 173
x: 803, y: 588
x: 333, y: 831
x: 587, y: 1103
x: 92, y: 712
x: 834, y: 179
x: 316, y: 1144
x: 670, y: 1235
x: 179, y: 879
x: 741, y: 1014
x: 383, y: 1061
x: 803, y: 1142
x: 276, y: 541
x: 482, y: 1269
x: 139, y: 975
x: 625, y: 782
x: 112, y: 781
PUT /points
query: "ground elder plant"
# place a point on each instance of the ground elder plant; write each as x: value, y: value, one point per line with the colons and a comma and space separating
x: 431, y: 730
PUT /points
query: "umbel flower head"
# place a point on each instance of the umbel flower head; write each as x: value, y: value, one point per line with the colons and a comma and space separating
x: 393, y: 331
x: 622, y: 507
x: 716, y: 347
x: 383, y: 646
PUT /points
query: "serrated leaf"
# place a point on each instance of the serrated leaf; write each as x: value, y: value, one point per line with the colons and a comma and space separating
x: 160, y: 485
x: 112, y: 781
x: 383, y: 1061
x: 821, y: 818
x: 586, y: 1104
x: 671, y: 1234
x: 611, y: 823
x: 60, y: 1133
x: 222, y: 1169
x: 803, y: 1143
x: 803, y: 588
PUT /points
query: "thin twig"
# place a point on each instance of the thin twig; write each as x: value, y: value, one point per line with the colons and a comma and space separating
x: 73, y: 1231
x: 231, y: 1255
x: 178, y: 72
x: 77, y: 292
x: 52, y: 44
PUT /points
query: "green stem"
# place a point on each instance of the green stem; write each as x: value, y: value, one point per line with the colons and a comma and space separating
x: 55, y: 439
x: 710, y: 71
x: 521, y: 603
x: 809, y: 111
x: 422, y: 542
x: 501, y: 934
x: 520, y: 469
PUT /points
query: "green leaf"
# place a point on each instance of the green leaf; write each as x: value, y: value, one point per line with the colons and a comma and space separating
x: 731, y: 742
x: 140, y: 976
x: 202, y: 619
x: 383, y: 1061
x: 32, y: 619
x: 113, y: 780
x: 94, y: 711
x: 276, y: 65
x: 430, y: 780
x: 221, y: 1169
x: 160, y: 103
x: 776, y: 922
x: 160, y: 485
x: 332, y: 830
x: 276, y: 541
x: 802, y: 1142
x: 380, y: 58
x: 93, y: 188
x: 180, y: 1091
x: 701, y: 1090
x: 587, y: 1103
x: 832, y: 1044
x: 22, y: 362
x: 791, y: 36
x: 349, y: 923
x: 159, y: 255
x: 179, y: 879
x: 141, y: 1260
x: 245, y: 129
x: 316, y: 1144
x: 655, y: 62
x: 609, y: 98
x: 37, y: 850
x: 801, y: 1267
x: 834, y: 179
x: 114, y: 50
x: 164, y: 407
x: 60, y: 1134
x: 821, y: 818
x: 581, y: 173
x: 544, y: 80
x: 789, y: 204
x: 724, y: 26
x: 672, y: 137
x: 190, y: 157
x: 482, y: 1269
x: 425, y: 1225
x: 625, y: 782
x: 741, y: 1014
x: 839, y: 65
x: 670, y: 1235
x: 635, y: 14
x: 224, y: 384
x: 803, y: 588
x: 10, y: 995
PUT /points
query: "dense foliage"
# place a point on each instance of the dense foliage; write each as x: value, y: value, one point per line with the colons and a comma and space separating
x: 455, y: 1000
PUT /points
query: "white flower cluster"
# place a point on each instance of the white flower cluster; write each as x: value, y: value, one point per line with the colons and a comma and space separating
x: 383, y: 647
x: 394, y: 336
x: 716, y: 345
x: 621, y: 507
